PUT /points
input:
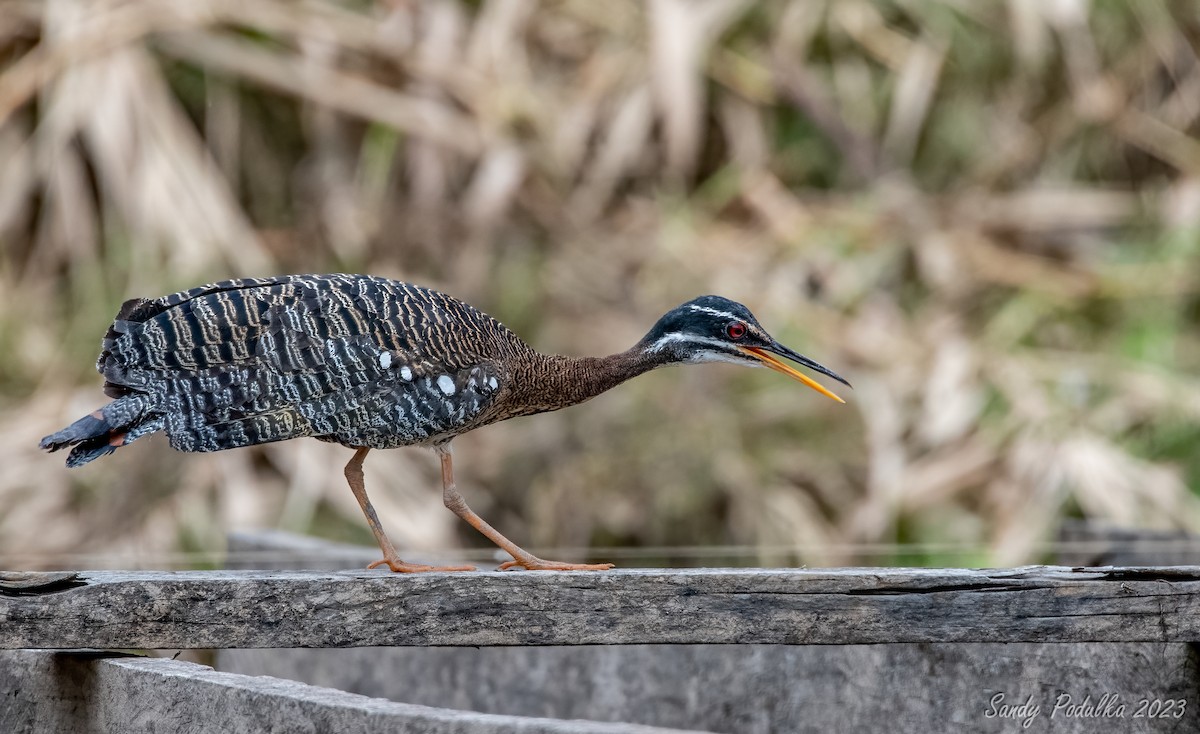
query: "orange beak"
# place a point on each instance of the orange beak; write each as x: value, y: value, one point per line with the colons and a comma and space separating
x: 771, y: 361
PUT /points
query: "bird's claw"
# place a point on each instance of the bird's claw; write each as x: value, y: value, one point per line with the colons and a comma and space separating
x: 399, y: 566
x: 532, y: 563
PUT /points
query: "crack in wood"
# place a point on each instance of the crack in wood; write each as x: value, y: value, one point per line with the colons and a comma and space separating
x: 27, y: 583
x: 783, y: 606
x: 947, y: 588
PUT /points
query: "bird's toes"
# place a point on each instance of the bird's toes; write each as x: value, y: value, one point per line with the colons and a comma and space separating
x: 537, y: 564
x: 398, y: 566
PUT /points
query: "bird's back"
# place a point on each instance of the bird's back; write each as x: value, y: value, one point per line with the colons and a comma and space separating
x: 360, y: 360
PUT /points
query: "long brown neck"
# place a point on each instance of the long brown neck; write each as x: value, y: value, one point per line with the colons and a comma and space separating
x: 548, y: 381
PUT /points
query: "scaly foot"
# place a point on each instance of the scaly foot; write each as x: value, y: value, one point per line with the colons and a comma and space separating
x: 533, y: 563
x: 400, y: 566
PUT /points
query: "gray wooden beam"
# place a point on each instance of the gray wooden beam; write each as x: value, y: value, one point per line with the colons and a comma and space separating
x: 89, y: 692
x: 225, y: 609
x: 761, y: 689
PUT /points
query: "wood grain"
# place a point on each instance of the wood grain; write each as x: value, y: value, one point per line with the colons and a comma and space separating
x: 227, y: 609
x: 902, y: 688
x: 95, y: 692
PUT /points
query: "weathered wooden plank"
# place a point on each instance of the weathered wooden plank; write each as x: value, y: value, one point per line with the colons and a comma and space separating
x: 752, y: 689
x: 85, y: 692
x: 800, y: 689
x: 225, y: 609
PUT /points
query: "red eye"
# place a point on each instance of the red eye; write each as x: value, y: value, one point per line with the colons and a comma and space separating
x: 736, y: 330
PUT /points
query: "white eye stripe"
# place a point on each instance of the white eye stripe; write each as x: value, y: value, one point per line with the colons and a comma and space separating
x: 676, y: 336
x: 722, y: 352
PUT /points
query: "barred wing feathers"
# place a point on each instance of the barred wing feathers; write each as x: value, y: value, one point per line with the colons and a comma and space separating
x: 359, y: 360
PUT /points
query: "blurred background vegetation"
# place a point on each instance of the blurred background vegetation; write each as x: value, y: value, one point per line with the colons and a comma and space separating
x: 984, y: 214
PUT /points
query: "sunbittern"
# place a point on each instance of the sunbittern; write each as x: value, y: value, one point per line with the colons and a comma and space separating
x: 369, y: 363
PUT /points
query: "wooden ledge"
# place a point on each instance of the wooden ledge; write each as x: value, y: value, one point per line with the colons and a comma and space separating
x: 82, y: 692
x: 245, y: 609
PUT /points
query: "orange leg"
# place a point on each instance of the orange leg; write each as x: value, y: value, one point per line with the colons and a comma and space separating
x: 521, y: 558
x: 354, y: 476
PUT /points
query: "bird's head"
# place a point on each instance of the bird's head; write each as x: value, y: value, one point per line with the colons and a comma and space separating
x: 715, y: 329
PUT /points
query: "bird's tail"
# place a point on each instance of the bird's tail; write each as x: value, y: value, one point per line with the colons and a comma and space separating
x: 103, y: 431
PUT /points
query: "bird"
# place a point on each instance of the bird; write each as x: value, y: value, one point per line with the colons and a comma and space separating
x: 369, y: 363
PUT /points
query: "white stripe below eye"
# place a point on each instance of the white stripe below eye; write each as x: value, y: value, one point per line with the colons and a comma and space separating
x: 714, y: 312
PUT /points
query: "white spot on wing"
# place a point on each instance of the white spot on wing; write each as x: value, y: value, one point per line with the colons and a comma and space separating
x: 492, y: 382
x: 405, y: 373
x: 446, y: 384
x: 385, y: 360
